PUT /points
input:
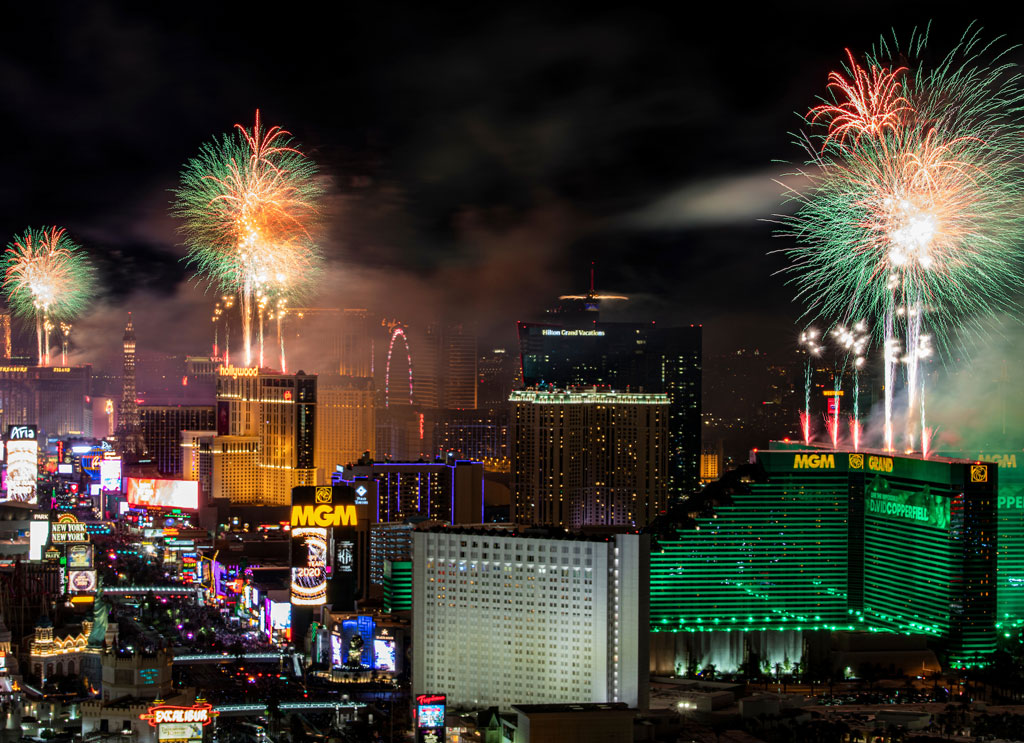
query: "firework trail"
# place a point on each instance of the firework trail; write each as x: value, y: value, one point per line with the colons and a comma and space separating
x: 248, y: 204
x: 808, y: 339
x: 926, y: 432
x: 279, y: 316
x: 46, y: 277
x: 912, y: 214
x: 65, y: 329
x: 852, y: 344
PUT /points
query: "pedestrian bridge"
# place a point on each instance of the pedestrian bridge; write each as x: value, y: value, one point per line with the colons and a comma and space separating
x: 201, y: 658
x: 155, y: 590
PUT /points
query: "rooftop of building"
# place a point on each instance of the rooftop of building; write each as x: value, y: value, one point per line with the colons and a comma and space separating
x: 13, y: 505
x: 369, y: 464
x: 800, y: 447
x: 262, y: 371
x: 582, y: 707
x: 412, y: 523
x: 587, y: 396
x: 528, y: 532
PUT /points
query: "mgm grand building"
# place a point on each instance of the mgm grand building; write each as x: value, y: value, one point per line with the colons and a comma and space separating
x: 834, y: 556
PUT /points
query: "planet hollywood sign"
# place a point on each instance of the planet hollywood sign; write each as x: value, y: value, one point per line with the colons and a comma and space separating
x: 170, y: 713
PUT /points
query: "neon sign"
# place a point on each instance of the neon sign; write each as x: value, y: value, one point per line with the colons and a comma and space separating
x: 238, y: 371
x: 21, y: 433
x: 324, y: 515
x: 165, y: 713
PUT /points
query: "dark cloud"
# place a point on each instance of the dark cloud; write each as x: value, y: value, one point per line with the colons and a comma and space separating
x: 477, y: 161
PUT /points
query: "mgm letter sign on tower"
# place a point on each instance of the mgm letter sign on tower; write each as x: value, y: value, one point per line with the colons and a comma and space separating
x: 323, y: 524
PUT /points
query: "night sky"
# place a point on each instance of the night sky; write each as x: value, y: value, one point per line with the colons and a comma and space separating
x: 478, y: 161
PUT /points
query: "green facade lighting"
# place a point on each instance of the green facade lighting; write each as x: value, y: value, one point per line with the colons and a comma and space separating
x: 397, y: 585
x: 842, y: 540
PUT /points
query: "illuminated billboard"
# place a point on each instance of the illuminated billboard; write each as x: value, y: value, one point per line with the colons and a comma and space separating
x: 152, y: 493
x: 81, y: 581
x: 68, y: 530
x: 328, y: 510
x: 430, y: 718
x: 22, y: 463
x: 280, y: 615
x: 175, y: 723
x: 79, y: 556
x: 38, y: 534
x: 180, y: 731
x: 309, y: 567
x: 921, y: 508
x: 110, y: 474
x: 336, y: 660
x: 384, y: 658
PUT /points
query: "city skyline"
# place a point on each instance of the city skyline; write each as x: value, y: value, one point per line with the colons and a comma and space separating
x: 514, y: 375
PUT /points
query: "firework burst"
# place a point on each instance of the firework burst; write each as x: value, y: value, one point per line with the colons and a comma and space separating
x: 47, y: 278
x: 248, y: 204
x: 912, y: 216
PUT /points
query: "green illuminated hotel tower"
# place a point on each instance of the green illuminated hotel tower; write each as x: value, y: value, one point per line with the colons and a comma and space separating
x: 839, y: 540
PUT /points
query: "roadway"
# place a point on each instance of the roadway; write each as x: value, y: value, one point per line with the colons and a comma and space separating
x: 231, y: 710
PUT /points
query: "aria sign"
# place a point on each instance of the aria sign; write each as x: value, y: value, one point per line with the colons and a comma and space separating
x: 170, y: 713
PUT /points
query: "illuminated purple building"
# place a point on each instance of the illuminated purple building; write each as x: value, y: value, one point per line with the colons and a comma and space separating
x: 441, y: 491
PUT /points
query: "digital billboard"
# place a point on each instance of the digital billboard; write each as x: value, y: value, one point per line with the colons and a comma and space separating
x: 180, y: 731
x: 280, y: 615
x: 384, y: 654
x: 330, y: 511
x: 153, y: 493
x: 79, y: 556
x: 430, y: 715
x: 309, y: 566
x: 38, y: 535
x: 430, y: 718
x: 110, y: 473
x: 22, y: 463
x: 81, y: 581
x: 336, y: 655
x: 920, y: 508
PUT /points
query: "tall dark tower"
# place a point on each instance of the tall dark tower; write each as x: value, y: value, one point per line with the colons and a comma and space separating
x: 130, y: 443
x: 574, y: 347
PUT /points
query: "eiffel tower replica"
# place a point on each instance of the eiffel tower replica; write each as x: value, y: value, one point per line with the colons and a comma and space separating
x: 130, y: 444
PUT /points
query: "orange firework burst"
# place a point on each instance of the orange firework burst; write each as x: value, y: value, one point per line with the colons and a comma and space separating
x: 46, y: 276
x: 248, y: 203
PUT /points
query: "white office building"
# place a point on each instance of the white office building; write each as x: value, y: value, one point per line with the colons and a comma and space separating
x: 531, y: 617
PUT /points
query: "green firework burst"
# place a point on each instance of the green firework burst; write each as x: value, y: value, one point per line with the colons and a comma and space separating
x: 248, y: 203
x: 914, y: 189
